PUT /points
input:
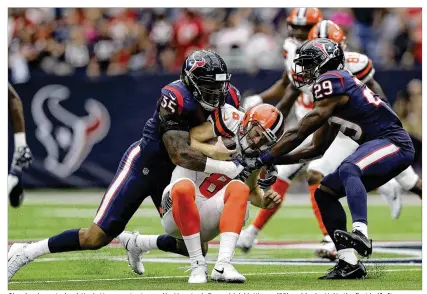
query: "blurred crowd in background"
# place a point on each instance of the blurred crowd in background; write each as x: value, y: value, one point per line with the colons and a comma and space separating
x: 114, y: 41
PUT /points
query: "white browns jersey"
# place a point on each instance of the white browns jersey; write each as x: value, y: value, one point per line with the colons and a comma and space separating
x: 225, y: 122
x: 358, y: 64
x: 290, y: 47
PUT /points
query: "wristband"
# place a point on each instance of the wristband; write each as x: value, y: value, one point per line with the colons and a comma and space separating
x: 20, y: 140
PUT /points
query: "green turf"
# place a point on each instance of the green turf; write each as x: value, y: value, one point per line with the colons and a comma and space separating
x: 39, y: 276
x: 292, y: 223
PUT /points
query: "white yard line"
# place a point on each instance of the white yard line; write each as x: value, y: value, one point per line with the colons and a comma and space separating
x: 179, y: 277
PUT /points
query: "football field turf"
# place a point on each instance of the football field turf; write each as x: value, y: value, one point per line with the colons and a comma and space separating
x: 283, y: 258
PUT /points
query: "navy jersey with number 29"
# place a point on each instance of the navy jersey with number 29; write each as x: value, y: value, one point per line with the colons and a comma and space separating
x: 365, y: 116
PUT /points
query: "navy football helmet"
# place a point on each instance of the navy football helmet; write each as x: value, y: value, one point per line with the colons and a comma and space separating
x: 205, y: 74
x: 316, y: 57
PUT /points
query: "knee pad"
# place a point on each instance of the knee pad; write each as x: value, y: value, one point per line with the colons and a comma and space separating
x: 183, y: 188
x: 348, y: 169
x: 237, y: 189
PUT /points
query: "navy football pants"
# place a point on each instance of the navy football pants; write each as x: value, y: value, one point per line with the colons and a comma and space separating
x: 138, y: 176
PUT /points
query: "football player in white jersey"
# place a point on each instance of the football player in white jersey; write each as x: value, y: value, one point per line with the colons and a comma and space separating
x: 360, y: 66
x: 300, y: 21
x: 219, y: 203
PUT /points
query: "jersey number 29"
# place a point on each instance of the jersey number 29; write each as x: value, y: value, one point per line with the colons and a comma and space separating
x: 322, y: 89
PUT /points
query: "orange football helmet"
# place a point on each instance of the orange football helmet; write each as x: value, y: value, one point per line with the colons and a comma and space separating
x: 328, y: 29
x: 261, y: 127
x: 301, y: 20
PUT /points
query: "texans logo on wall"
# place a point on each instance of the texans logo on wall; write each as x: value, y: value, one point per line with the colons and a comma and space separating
x: 67, y: 138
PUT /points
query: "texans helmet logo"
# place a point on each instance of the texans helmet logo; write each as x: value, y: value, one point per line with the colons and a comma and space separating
x: 321, y: 46
x: 196, y: 63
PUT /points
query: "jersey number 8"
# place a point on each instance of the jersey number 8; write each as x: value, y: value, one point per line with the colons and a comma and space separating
x: 212, y: 184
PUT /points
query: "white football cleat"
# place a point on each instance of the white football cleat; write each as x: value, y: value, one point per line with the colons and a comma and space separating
x: 199, y: 273
x: 16, y: 258
x: 246, y: 241
x: 134, y: 253
x: 391, y: 191
x: 225, y: 272
x: 327, y: 249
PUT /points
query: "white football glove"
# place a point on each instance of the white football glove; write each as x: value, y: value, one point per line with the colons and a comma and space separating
x: 22, y: 157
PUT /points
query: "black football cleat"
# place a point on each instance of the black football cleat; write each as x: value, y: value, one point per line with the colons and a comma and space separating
x: 16, y: 191
x: 356, y: 240
x: 344, y: 270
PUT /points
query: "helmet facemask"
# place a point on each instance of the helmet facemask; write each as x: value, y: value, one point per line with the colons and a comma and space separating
x: 254, y: 139
x: 209, y: 93
x: 308, y: 68
x: 306, y: 71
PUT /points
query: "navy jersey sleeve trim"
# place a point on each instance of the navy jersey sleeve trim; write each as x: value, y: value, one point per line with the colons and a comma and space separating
x: 177, y: 93
x: 324, y: 77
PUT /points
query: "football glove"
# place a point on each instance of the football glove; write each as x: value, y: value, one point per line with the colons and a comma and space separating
x: 269, y: 178
x: 22, y: 157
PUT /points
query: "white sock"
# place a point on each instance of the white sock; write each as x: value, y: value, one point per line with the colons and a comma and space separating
x: 253, y: 230
x: 147, y: 242
x: 194, y: 247
x: 327, y: 238
x: 361, y: 227
x: 347, y: 255
x: 227, y: 245
x: 34, y: 250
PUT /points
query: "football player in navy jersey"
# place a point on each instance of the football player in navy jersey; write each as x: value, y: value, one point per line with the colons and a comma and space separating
x: 146, y: 167
x: 22, y: 156
x: 344, y: 104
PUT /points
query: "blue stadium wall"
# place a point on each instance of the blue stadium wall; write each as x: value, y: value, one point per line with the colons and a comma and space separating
x: 79, y: 127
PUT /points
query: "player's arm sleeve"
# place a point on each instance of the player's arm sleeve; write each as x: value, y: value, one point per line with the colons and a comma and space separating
x: 329, y: 85
x: 367, y: 71
x: 171, y: 113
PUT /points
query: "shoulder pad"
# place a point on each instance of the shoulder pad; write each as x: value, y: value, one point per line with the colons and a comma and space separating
x: 226, y: 121
x: 233, y: 98
x: 359, y: 65
x: 329, y: 84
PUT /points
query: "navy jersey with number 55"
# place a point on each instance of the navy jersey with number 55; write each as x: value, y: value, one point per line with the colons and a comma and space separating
x: 365, y: 116
x: 184, y: 113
